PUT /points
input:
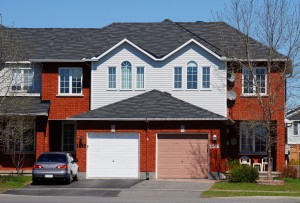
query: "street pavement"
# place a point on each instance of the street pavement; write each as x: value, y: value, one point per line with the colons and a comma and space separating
x: 127, y: 191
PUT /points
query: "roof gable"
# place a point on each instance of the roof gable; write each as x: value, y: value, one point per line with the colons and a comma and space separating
x: 152, y: 105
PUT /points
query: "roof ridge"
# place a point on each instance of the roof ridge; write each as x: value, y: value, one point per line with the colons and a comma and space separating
x: 195, y: 35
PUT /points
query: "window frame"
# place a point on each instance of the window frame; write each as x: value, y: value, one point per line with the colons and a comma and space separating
x: 253, y: 81
x: 131, y: 79
x: 108, y: 78
x: 202, y: 81
x: 250, y: 130
x: 62, y: 135
x: 293, y: 128
x: 174, y: 78
x: 7, y: 150
x: 136, y: 78
x: 70, y: 81
x: 22, y: 69
x: 197, y: 76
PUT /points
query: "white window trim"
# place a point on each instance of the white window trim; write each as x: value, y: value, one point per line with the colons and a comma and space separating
x: 201, y: 80
x: 121, y: 77
x: 107, y: 76
x: 254, y: 87
x: 70, y: 83
x: 62, y: 135
x: 253, y: 141
x: 136, y: 88
x: 22, y: 83
x: 298, y: 125
x: 173, y: 80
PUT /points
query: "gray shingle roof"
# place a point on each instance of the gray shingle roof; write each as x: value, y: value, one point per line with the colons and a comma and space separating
x: 157, y: 39
x: 24, y: 106
x: 152, y: 105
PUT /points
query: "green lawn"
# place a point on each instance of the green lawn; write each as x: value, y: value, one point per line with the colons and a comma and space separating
x: 226, y: 189
x: 7, y: 182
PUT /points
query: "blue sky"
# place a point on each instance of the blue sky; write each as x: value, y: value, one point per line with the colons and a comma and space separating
x: 98, y: 13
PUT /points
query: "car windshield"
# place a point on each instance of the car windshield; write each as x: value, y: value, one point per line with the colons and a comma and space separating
x: 52, y: 158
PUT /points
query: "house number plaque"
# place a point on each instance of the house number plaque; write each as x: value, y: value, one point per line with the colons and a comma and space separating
x: 214, y: 146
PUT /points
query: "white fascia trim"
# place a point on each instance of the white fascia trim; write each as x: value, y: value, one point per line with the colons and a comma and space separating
x: 18, y: 62
x: 149, y: 119
x: 152, y: 57
x: 24, y: 114
x: 55, y: 60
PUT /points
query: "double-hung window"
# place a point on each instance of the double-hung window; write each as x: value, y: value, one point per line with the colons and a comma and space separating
x: 192, y: 75
x: 126, y: 69
x: 178, y: 78
x: 112, y: 78
x: 70, y: 81
x: 253, y: 138
x: 254, y: 81
x: 140, y: 78
x: 206, y: 77
x: 22, y: 79
x: 296, y: 127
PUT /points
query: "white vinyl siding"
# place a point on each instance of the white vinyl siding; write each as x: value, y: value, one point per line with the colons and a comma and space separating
x: 140, y: 77
x: 160, y: 76
x: 293, y: 132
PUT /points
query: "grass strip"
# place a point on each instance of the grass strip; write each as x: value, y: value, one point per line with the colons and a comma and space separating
x: 9, y: 182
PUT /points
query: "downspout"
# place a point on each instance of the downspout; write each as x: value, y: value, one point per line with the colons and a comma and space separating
x: 147, y: 140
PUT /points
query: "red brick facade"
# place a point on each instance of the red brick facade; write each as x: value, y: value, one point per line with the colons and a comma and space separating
x: 63, y: 107
x: 248, y: 108
x: 83, y: 127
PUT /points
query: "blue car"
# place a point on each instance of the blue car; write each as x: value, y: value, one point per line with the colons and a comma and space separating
x: 55, y: 166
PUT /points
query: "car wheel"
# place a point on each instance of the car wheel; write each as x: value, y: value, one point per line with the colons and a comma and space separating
x: 35, y: 181
x: 75, y: 178
x: 69, y: 179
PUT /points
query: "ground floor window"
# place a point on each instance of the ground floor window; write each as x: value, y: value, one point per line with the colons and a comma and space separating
x: 68, y: 137
x: 18, y: 135
x: 253, y: 138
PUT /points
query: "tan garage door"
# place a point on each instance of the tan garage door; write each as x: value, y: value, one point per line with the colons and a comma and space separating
x: 182, y: 156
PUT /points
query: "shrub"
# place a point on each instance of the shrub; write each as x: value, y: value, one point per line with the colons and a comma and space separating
x: 289, y: 172
x: 231, y: 163
x: 243, y: 173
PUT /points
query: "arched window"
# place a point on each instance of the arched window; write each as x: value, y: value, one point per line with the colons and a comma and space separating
x: 126, y: 69
x: 192, y: 75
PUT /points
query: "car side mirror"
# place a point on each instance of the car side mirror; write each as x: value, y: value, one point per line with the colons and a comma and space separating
x: 75, y: 161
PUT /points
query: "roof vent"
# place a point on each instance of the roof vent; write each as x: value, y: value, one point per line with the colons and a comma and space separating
x: 168, y: 93
x: 167, y: 21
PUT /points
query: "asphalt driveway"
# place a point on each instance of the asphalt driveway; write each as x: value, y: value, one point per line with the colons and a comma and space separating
x: 103, y: 188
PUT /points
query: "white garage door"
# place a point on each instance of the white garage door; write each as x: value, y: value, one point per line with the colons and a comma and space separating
x: 113, y: 155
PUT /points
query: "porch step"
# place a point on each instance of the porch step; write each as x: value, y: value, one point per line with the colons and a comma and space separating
x: 264, y: 174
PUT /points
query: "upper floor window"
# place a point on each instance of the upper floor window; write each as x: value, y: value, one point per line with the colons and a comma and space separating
x: 112, y: 78
x: 177, y: 77
x: 126, y: 70
x: 140, y: 77
x: 205, y: 77
x: 70, y: 81
x: 192, y: 75
x: 22, y: 79
x: 296, y: 127
x: 250, y: 79
x: 253, y: 138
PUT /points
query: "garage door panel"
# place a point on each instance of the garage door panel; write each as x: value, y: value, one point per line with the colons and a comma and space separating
x: 182, y: 156
x: 112, y: 155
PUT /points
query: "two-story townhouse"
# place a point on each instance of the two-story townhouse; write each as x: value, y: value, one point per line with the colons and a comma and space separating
x: 136, y: 100
x: 293, y: 133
